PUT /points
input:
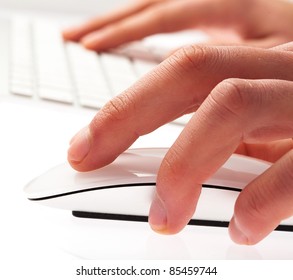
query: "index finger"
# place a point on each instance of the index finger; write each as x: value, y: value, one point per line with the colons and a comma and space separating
x: 178, y: 85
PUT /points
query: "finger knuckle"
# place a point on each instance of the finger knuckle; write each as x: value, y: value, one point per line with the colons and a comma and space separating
x: 191, y: 57
x: 119, y: 108
x: 231, y: 98
x: 181, y: 67
x: 174, y: 168
x: 172, y: 163
x: 254, y: 208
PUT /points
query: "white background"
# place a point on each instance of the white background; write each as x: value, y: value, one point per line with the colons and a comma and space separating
x: 41, y: 243
x: 72, y: 6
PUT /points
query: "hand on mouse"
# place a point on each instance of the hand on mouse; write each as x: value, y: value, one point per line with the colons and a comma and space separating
x: 251, y: 22
x: 242, y: 98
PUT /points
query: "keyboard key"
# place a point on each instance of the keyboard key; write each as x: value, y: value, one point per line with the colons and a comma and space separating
x: 91, y: 101
x: 138, y: 50
x: 51, y: 62
x: 89, y: 77
x: 55, y: 94
x: 22, y: 73
x: 119, y: 72
x: 22, y: 89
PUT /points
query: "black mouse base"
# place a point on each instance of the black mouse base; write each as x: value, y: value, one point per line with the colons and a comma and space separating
x: 138, y: 218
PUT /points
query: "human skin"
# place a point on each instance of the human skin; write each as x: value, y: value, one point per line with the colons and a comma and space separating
x: 241, y: 96
x: 262, y: 23
x: 242, y: 102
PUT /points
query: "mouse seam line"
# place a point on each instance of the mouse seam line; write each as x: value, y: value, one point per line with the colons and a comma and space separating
x: 142, y: 218
x: 125, y: 185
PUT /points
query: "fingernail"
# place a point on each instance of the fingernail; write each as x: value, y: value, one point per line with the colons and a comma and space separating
x: 158, y: 216
x: 79, y: 146
x: 236, y: 234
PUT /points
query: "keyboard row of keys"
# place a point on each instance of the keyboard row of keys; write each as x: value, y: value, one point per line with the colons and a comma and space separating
x: 53, y: 78
x: 65, y: 72
x: 44, y: 66
x: 22, y: 74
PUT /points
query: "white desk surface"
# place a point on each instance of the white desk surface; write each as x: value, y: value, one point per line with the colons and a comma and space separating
x: 35, y: 238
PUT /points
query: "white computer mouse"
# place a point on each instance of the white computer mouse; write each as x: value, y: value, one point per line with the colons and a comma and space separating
x: 124, y: 189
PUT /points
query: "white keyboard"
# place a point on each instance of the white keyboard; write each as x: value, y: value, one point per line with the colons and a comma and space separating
x: 44, y: 67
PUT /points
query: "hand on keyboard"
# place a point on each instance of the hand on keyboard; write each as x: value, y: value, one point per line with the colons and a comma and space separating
x: 254, y: 22
x: 243, y: 115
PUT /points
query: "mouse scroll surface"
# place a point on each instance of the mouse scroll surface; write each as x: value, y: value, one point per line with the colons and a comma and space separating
x: 124, y: 186
x: 124, y: 189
